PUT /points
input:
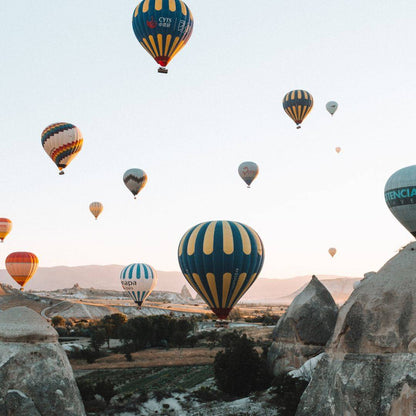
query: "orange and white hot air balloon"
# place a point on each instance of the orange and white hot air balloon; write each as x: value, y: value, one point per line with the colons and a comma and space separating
x: 332, y: 251
x: 21, y: 265
x: 5, y: 227
x: 96, y: 208
x: 337, y: 149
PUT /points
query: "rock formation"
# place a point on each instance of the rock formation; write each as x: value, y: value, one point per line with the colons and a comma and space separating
x: 370, y: 366
x: 185, y: 293
x: 304, y: 329
x: 36, y: 378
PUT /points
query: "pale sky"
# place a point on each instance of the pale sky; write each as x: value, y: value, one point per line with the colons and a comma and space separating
x: 78, y: 61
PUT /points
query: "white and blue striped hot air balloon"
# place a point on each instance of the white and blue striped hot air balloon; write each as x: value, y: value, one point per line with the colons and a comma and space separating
x: 138, y: 280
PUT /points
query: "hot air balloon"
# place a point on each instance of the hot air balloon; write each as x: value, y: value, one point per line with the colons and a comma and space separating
x: 248, y: 172
x: 221, y: 260
x: 400, y: 196
x: 337, y: 149
x: 332, y: 251
x: 331, y: 106
x: 297, y: 104
x: 62, y: 142
x: 135, y: 180
x: 5, y: 227
x: 138, y: 280
x: 22, y: 266
x: 96, y: 208
x: 162, y: 27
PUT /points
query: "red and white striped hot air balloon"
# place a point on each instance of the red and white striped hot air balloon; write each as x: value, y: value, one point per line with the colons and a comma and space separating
x: 5, y: 227
x: 21, y: 266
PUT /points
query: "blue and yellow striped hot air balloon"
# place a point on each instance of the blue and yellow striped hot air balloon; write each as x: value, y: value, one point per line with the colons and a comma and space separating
x: 221, y: 260
x: 138, y: 280
x: 62, y: 142
x: 297, y: 105
x: 162, y: 27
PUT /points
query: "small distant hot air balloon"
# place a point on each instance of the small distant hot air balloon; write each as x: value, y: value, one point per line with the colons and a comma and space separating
x: 337, y: 149
x: 163, y: 28
x: 5, y: 228
x: 332, y: 251
x: 297, y: 105
x: 96, y: 208
x: 221, y: 260
x: 62, y: 142
x: 400, y: 196
x: 331, y: 106
x: 248, y: 172
x: 135, y: 180
x: 138, y: 280
x: 21, y: 266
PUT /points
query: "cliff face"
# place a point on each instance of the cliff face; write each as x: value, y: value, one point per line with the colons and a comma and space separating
x: 36, y: 378
x: 304, y: 329
x: 370, y: 365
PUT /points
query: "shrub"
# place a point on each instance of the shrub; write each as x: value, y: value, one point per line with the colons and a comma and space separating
x: 239, y: 369
x: 287, y: 393
x: 206, y: 394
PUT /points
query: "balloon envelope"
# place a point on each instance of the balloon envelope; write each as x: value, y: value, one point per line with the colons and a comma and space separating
x: 400, y: 197
x: 21, y: 266
x: 221, y: 260
x: 297, y: 105
x: 332, y: 251
x: 138, y: 280
x: 162, y: 27
x: 135, y: 180
x: 248, y: 172
x: 62, y: 142
x: 5, y: 227
x: 337, y: 149
x: 331, y: 106
x: 96, y: 208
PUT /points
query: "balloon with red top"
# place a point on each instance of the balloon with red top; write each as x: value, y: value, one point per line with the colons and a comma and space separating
x: 22, y: 265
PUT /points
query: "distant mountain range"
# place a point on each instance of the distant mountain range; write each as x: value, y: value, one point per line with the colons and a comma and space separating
x: 280, y: 291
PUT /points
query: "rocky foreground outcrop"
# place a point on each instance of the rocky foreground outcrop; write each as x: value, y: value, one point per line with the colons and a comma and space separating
x: 304, y: 329
x: 36, y: 378
x: 370, y: 365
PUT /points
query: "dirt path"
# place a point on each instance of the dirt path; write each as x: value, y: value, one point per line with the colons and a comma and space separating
x: 153, y: 357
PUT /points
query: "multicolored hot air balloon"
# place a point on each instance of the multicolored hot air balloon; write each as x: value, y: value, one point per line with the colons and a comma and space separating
x: 21, y: 266
x: 332, y: 251
x: 248, y: 172
x: 135, y: 180
x: 297, y: 105
x: 138, y: 280
x: 331, y: 106
x: 162, y: 27
x: 62, y: 142
x: 221, y: 260
x: 5, y: 227
x: 400, y: 196
x: 338, y: 149
x: 96, y: 208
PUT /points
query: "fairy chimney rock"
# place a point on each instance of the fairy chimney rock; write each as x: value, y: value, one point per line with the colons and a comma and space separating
x: 304, y: 329
x: 370, y: 364
x: 22, y: 324
x: 35, y: 375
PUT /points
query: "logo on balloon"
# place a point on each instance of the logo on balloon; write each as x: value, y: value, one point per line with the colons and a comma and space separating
x: 400, y: 196
x: 151, y: 23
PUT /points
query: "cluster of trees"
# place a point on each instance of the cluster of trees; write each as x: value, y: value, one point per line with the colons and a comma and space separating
x: 135, y: 334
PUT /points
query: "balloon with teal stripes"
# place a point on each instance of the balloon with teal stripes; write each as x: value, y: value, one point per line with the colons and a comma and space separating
x: 138, y: 280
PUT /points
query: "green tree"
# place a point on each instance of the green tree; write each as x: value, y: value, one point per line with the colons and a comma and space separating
x: 98, y: 338
x: 58, y: 321
x: 238, y: 369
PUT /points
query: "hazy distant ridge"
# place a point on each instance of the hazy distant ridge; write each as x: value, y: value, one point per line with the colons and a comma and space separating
x: 107, y: 277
